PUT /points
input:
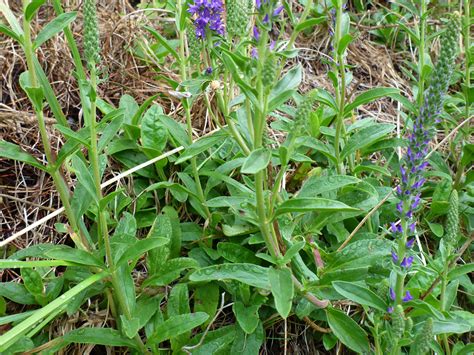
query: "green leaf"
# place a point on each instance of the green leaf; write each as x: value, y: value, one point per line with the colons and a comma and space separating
x: 136, y: 117
x: 177, y: 325
x: 309, y: 23
x: 290, y: 81
x: 84, y: 176
x: 98, y: 336
x: 140, y: 248
x: 236, y: 253
x: 73, y: 135
x: 170, y: 271
x: 130, y: 326
x: 348, y: 331
x: 16, y: 292
x: 249, y: 274
x: 164, y: 42
x: 8, y: 32
x: 34, y: 284
x: 153, y: 134
x: 82, y: 257
x: 369, y: 96
x: 359, y: 294
x: 316, y: 185
x: 201, y: 146
x: 460, y: 270
x: 366, y: 137
x: 343, y: 43
x: 116, y: 120
x: 175, y: 130
x: 282, y: 290
x: 304, y: 205
x: 12, y: 151
x: 256, y: 161
x: 247, y: 316
x: 54, y: 27
x: 10, y: 17
x: 206, y: 299
x: 457, y: 326
x: 32, y: 8
x: 49, y: 93
x: 28, y: 325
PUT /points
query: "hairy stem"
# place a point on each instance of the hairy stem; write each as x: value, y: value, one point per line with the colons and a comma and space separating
x: 58, y: 179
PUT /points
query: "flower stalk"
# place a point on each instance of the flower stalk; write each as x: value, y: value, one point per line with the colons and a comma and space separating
x: 414, y: 162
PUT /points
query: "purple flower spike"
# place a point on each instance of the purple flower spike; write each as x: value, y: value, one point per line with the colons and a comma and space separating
x: 406, y: 262
x: 208, y: 15
x: 392, y: 294
x: 278, y: 11
x: 410, y: 242
x: 394, y: 257
x: 408, y: 297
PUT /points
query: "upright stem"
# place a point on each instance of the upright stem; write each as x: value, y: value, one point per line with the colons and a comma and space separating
x: 197, y: 180
x: 76, y: 56
x: 422, y: 53
x: 58, y: 179
x: 341, y: 89
x: 467, y: 53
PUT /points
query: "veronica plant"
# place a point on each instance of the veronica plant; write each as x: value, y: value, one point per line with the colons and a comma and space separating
x: 414, y: 164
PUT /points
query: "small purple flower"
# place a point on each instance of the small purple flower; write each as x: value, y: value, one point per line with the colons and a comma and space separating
x: 209, y: 70
x: 406, y: 262
x: 408, y: 297
x: 416, y: 201
x: 410, y: 242
x: 390, y: 309
x: 278, y: 11
x: 412, y: 227
x: 256, y: 34
x: 392, y: 294
x: 254, y: 53
x: 409, y: 214
x: 399, y: 190
x: 266, y: 19
x: 395, y: 228
x: 258, y: 3
x: 208, y: 15
x: 400, y: 206
x: 394, y: 257
x: 272, y: 45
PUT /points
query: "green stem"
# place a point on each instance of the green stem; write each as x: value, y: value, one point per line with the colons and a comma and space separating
x: 401, y: 252
x: 102, y: 223
x: 182, y: 62
x: 422, y: 52
x: 230, y: 123
x: 76, y: 56
x: 467, y: 52
x: 340, y: 90
x: 58, y: 179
